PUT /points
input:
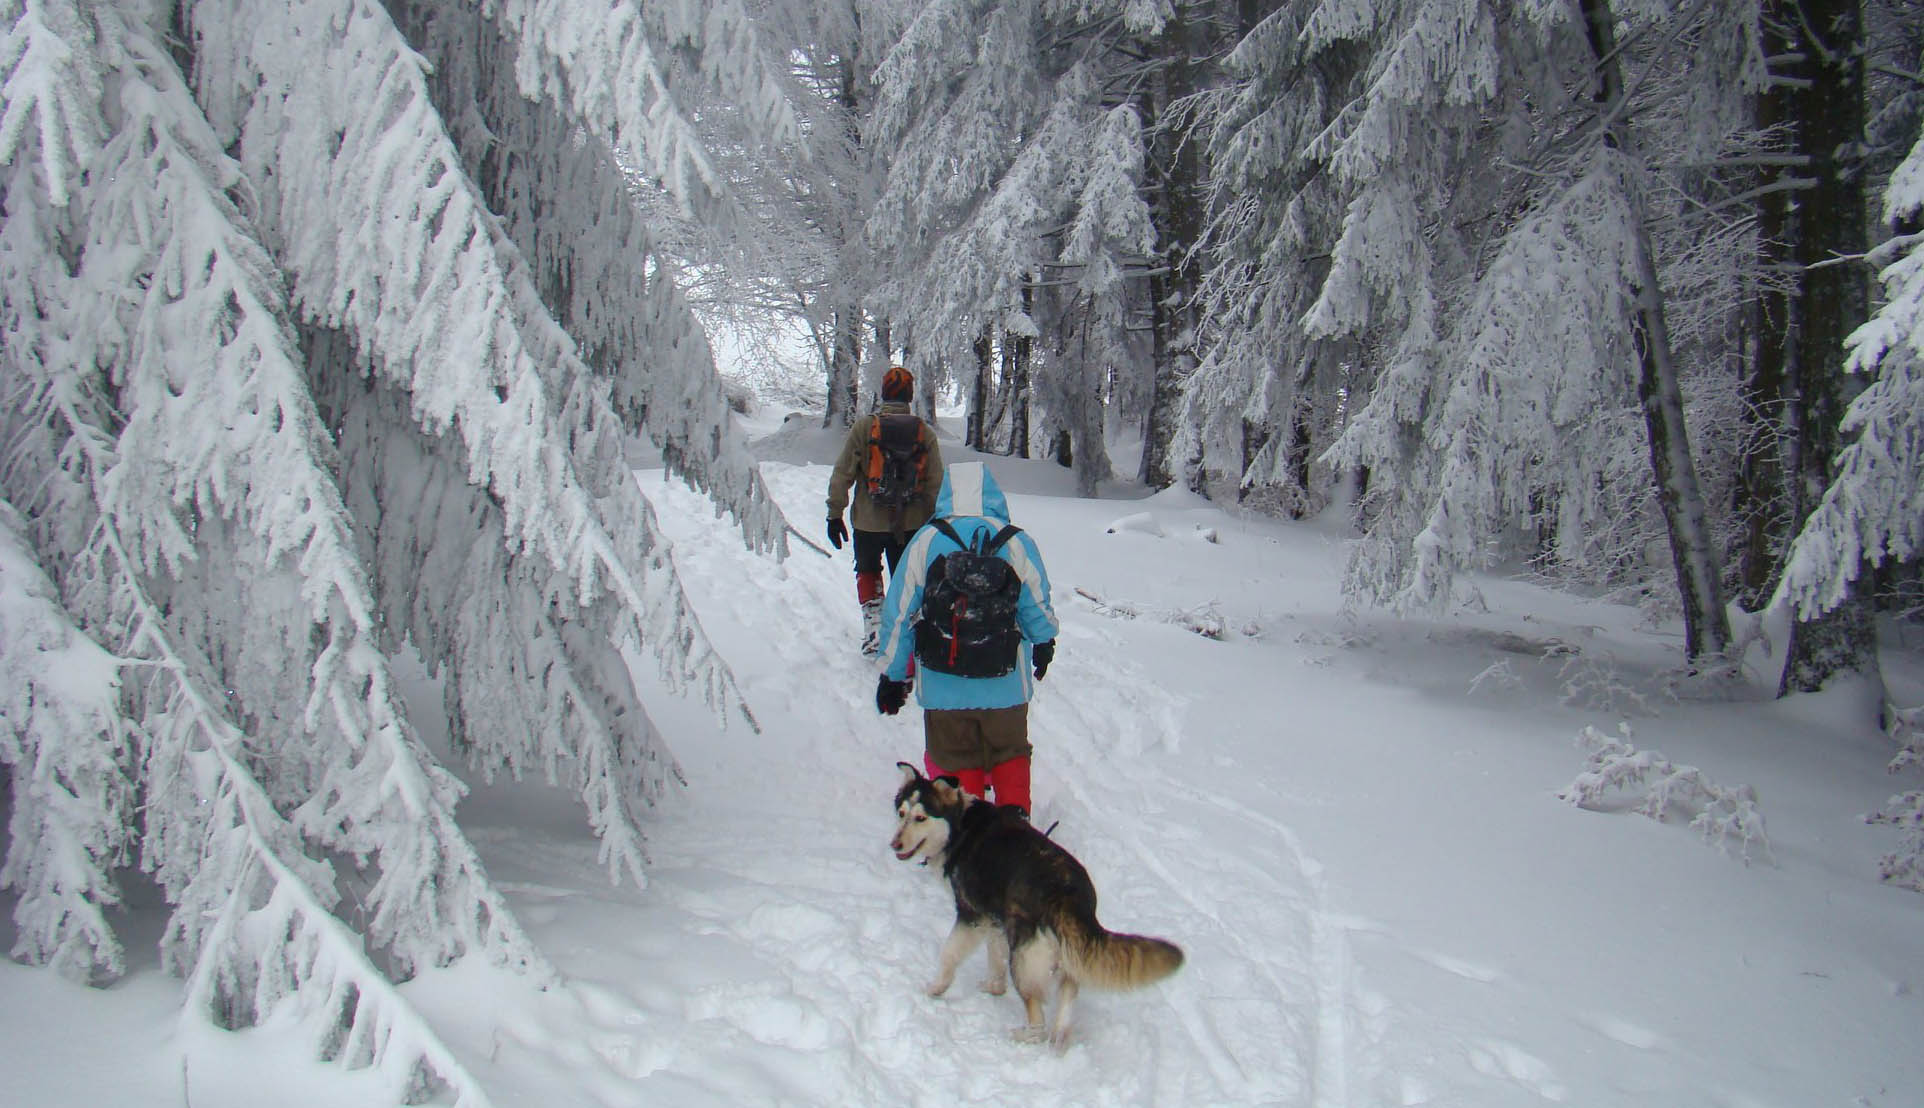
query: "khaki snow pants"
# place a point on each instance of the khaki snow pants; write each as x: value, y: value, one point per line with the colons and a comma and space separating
x: 976, y: 738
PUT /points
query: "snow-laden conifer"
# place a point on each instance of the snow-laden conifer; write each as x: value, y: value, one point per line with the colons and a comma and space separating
x: 1491, y: 153
x: 204, y: 465
x: 165, y: 437
x: 69, y: 751
x: 388, y: 241
x: 1264, y: 398
x: 1000, y: 123
x: 1873, y: 511
x: 574, y: 213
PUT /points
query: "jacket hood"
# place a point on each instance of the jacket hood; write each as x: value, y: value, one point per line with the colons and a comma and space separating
x: 969, y: 489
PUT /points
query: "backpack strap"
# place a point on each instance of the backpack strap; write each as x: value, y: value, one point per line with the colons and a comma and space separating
x: 1001, y: 539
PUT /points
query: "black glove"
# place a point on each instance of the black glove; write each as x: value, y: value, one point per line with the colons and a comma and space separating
x: 837, y: 534
x: 1042, y: 654
x: 890, y: 695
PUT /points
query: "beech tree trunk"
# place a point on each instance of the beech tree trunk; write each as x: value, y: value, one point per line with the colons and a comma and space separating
x: 1679, y: 493
x: 844, y: 369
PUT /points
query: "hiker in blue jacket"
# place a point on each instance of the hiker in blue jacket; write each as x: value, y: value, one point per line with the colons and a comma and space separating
x: 977, y: 654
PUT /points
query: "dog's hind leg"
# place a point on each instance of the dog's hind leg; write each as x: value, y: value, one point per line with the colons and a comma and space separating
x: 998, y: 982
x: 962, y: 941
x: 1034, y: 965
x: 1065, y: 1005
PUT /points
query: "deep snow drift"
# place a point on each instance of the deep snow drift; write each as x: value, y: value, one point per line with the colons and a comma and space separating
x: 1350, y: 822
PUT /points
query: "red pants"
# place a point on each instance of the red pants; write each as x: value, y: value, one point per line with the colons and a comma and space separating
x: 1009, y: 779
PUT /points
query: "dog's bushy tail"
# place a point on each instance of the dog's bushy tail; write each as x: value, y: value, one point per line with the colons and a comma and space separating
x: 1109, y: 960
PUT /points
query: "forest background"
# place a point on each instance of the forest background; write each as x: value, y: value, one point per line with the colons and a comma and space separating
x: 330, y: 326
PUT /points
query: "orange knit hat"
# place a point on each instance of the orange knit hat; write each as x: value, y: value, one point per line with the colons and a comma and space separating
x: 898, y: 385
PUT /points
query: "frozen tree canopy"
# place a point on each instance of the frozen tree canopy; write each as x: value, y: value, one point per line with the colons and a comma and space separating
x: 283, y: 395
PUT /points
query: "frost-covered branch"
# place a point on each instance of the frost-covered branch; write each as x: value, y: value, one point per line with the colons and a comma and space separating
x: 388, y: 240
x: 70, y: 752
x: 1904, y: 865
x: 1719, y: 813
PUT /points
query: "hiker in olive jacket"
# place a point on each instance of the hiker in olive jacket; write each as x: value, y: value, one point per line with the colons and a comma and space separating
x: 882, y: 528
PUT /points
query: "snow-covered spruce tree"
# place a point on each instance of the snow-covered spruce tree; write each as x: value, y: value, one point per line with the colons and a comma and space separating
x: 159, y: 439
x: 1498, y: 257
x: 1816, y: 213
x: 161, y: 436
x: 1266, y: 397
x: 993, y: 118
x: 1110, y: 230
x: 1873, y: 511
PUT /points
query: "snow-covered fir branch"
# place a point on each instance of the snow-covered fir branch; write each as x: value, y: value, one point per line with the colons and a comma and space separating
x: 70, y: 752
x: 1720, y: 813
x: 1904, y: 865
x: 573, y: 213
x: 388, y: 240
x: 611, y: 68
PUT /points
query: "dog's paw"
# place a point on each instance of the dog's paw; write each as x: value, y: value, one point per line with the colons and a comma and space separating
x: 996, y: 986
x: 1030, y: 1033
x: 1059, y: 1042
x: 937, y: 988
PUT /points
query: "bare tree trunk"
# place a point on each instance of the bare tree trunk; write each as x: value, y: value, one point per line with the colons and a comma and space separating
x: 1759, y: 499
x: 1019, y: 349
x: 1177, y: 210
x: 976, y: 434
x: 844, y: 369
x: 1820, y: 95
x: 1694, y: 556
x: 1679, y: 494
x: 845, y: 353
x: 1019, y: 354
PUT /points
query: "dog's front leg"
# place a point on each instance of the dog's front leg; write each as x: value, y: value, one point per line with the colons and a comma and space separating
x: 962, y: 941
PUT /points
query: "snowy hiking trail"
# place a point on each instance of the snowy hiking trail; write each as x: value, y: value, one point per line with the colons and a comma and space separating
x: 1381, y: 899
x: 779, y: 849
x: 779, y: 953
x: 1240, y: 1024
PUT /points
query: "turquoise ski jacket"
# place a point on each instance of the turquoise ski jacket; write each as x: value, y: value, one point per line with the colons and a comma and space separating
x: 972, y: 503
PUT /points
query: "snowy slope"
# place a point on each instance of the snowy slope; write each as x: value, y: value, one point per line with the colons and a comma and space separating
x: 1357, y: 842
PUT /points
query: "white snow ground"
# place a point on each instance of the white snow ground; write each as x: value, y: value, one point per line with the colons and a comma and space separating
x: 1357, y: 842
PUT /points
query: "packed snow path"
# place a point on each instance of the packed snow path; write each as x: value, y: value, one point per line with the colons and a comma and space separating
x: 780, y: 952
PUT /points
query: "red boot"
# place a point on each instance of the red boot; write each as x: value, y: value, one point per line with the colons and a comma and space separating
x: 1010, y: 780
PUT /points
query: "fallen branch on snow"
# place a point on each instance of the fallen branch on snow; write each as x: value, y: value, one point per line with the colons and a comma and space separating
x: 1722, y: 813
x: 1205, y: 620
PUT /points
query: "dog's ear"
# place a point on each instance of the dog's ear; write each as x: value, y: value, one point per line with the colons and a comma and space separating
x: 910, y: 775
x: 948, y: 789
x: 951, y: 780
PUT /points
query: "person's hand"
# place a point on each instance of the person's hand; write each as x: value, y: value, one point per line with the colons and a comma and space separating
x: 1042, y: 654
x: 890, y: 695
x: 837, y: 534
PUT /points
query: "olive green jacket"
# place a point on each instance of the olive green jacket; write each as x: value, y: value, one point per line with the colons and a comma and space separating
x: 851, y: 467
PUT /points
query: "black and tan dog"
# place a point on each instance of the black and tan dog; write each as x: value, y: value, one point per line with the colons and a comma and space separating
x: 1024, y: 894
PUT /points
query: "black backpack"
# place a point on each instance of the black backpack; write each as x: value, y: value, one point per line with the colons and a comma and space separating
x: 968, y: 622
x: 897, y: 461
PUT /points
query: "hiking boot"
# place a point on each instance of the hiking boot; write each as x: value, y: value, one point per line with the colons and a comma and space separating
x: 872, y: 628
